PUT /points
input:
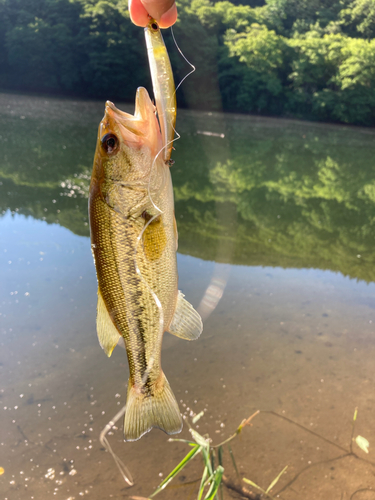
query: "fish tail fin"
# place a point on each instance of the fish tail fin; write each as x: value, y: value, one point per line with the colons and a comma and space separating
x: 155, y: 408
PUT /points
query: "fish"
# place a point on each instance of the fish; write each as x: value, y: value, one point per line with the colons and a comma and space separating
x: 162, y: 84
x: 134, y: 241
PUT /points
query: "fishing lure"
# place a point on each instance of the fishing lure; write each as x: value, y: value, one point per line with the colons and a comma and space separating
x: 163, y: 85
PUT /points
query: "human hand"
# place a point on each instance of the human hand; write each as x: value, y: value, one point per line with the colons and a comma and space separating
x: 163, y: 11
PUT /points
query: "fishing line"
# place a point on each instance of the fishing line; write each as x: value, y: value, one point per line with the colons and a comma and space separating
x: 186, y: 59
x: 178, y: 136
x: 215, y: 289
x: 150, y: 362
x: 159, y: 212
x: 175, y: 131
x: 174, y: 93
x: 124, y: 471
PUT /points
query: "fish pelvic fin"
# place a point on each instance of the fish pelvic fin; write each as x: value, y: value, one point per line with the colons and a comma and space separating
x: 156, y: 407
x: 108, y: 334
x: 186, y: 322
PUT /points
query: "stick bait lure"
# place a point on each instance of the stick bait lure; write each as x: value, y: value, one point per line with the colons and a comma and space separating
x: 163, y: 85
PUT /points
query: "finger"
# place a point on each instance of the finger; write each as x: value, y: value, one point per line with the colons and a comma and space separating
x: 169, y: 17
x: 138, y: 13
x: 156, y: 8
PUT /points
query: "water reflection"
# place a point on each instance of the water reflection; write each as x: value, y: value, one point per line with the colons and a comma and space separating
x: 279, y: 193
x: 289, y: 204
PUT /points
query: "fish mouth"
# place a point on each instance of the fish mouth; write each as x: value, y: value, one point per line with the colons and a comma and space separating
x: 137, y: 129
x: 119, y: 121
x: 120, y: 117
x: 144, y: 109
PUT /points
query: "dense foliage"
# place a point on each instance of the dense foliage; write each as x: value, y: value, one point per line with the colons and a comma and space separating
x: 306, y: 58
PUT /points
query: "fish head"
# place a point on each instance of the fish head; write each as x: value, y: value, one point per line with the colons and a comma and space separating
x: 127, y: 145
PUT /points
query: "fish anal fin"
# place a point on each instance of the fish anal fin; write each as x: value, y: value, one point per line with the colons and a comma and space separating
x: 186, y: 322
x: 108, y: 334
x: 154, y: 407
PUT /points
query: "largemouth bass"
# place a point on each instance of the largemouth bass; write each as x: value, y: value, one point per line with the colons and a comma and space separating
x: 134, y: 243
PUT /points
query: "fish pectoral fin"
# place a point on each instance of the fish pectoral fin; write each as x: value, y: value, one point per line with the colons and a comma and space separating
x: 156, y: 407
x: 186, y: 322
x: 154, y: 239
x: 108, y: 334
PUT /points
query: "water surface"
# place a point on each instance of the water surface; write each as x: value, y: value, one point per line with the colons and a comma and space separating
x: 279, y: 215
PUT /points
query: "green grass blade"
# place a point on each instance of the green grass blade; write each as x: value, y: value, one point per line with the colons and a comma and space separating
x: 177, y: 469
x: 259, y: 488
x: 190, y: 443
x: 276, y: 479
x: 207, y: 460
x: 234, y: 462
x: 212, y: 456
x: 355, y: 414
x: 216, y: 481
x: 220, y: 455
x: 213, y: 459
x: 199, y: 439
x: 254, y: 485
x: 221, y: 491
x: 203, y: 483
x: 220, y: 460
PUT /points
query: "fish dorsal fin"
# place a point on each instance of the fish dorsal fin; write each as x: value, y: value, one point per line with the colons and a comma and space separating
x: 186, y: 322
x: 108, y: 334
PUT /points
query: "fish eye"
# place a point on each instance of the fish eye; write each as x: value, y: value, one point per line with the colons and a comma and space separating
x: 154, y: 26
x: 109, y: 143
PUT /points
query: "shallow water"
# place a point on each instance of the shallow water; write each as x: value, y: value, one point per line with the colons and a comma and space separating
x: 279, y: 215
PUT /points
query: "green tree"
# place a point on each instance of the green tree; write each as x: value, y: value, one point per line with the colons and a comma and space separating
x: 115, y: 62
x: 360, y: 16
x: 40, y: 44
x: 264, y: 54
x: 290, y: 15
x: 305, y: 58
x: 334, y: 78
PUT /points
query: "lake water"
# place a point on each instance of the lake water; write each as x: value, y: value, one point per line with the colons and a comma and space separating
x: 276, y: 216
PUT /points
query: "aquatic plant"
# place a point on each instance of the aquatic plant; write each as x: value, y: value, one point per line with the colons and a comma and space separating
x: 213, y: 477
